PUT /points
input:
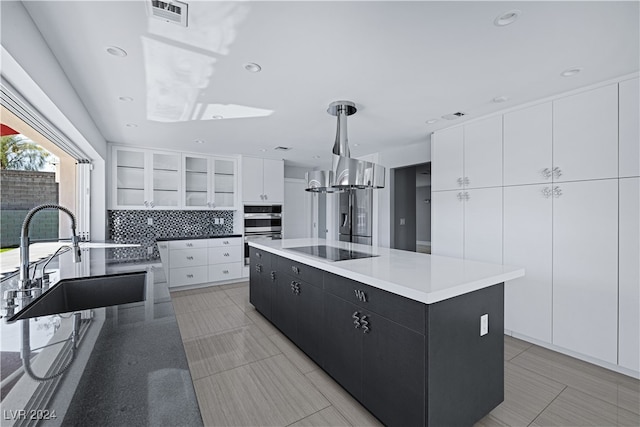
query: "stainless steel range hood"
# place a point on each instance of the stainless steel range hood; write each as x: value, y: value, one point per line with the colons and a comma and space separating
x: 346, y: 173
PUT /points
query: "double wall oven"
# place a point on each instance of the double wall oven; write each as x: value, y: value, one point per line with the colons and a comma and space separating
x: 262, y: 222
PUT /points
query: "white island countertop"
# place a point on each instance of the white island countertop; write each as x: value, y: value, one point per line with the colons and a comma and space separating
x: 420, y: 277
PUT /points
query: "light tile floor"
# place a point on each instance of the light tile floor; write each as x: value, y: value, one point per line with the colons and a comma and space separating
x: 246, y: 373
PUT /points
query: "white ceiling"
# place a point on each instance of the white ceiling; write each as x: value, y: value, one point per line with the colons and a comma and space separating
x: 402, y: 63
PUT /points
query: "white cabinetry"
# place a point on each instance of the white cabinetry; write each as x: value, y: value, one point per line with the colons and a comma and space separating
x: 447, y: 223
x: 585, y: 268
x: 145, y: 179
x: 447, y: 147
x: 262, y: 180
x: 469, y: 156
x: 209, y: 182
x: 528, y: 145
x: 197, y: 261
x: 629, y: 128
x: 468, y: 224
x: 483, y: 153
x: 528, y: 244
x: 585, y: 135
x: 629, y: 280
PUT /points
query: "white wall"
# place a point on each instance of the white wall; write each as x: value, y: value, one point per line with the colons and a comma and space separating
x: 296, y: 210
x: 393, y: 158
x: 31, y: 68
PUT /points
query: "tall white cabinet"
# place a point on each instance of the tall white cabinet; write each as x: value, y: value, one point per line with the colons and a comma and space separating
x: 466, y: 188
x: 569, y: 200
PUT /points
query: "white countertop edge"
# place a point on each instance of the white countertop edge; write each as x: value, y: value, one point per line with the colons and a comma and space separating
x: 398, y: 289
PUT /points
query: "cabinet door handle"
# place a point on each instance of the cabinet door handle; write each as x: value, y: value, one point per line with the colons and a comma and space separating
x: 190, y: 258
x: 258, y: 254
x: 226, y: 254
x: 466, y: 180
x: 189, y: 245
x: 546, y: 173
x: 546, y: 192
x: 356, y: 319
x: 259, y: 268
x: 557, y: 192
x: 152, y: 204
x: 297, y: 290
x: 460, y: 196
x: 466, y: 196
x: 295, y: 269
x: 189, y: 276
x: 293, y: 286
x: 365, y: 325
x: 225, y: 242
x: 557, y: 172
x: 273, y: 276
x: 360, y: 295
x: 459, y: 181
x: 225, y: 271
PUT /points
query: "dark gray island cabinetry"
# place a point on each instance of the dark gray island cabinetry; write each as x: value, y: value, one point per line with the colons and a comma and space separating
x: 410, y: 362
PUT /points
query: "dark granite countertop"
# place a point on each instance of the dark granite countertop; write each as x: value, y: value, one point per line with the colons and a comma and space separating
x: 219, y: 236
x: 130, y: 368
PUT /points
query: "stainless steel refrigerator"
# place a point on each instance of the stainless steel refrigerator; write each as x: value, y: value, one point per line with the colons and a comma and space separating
x: 355, y: 216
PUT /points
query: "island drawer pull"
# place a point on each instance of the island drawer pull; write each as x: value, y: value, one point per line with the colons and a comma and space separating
x: 259, y: 268
x: 295, y: 269
x: 273, y: 275
x: 360, y: 295
x: 365, y: 325
x: 258, y: 254
x: 356, y: 318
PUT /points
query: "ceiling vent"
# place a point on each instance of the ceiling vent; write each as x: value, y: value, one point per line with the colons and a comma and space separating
x: 169, y: 11
x: 454, y: 116
x: 282, y: 148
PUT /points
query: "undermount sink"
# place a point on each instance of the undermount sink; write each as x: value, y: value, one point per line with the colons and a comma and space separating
x: 85, y: 293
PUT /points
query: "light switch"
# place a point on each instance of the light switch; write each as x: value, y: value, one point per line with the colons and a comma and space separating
x: 484, y: 324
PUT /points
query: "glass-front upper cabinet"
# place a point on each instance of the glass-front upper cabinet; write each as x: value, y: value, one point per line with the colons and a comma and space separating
x: 144, y: 179
x: 209, y: 182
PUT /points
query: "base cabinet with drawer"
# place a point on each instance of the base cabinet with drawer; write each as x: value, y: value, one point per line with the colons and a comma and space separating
x: 197, y: 261
x: 408, y: 363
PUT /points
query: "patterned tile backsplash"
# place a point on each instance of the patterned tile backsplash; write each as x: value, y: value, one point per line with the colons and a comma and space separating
x: 133, y: 227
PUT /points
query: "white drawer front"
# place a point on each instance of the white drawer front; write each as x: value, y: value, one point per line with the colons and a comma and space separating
x: 188, y: 257
x: 227, y: 241
x: 187, y: 244
x: 228, y: 271
x: 188, y: 275
x: 225, y: 255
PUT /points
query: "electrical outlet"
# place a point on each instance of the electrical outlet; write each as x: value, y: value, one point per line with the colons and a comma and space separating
x: 149, y: 250
x: 402, y: 221
x: 484, y: 325
x: 149, y: 221
x: 216, y: 221
x: 221, y: 221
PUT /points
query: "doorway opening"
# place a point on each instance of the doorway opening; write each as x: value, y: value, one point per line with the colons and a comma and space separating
x: 411, y: 208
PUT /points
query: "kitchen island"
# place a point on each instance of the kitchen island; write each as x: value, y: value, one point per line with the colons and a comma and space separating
x: 417, y: 339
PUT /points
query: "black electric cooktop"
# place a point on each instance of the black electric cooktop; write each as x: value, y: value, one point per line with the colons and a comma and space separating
x: 331, y: 253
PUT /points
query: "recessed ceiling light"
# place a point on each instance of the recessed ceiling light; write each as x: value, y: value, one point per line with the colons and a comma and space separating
x: 571, y: 72
x: 125, y: 99
x: 217, y: 117
x: 499, y: 99
x: 132, y: 125
x: 431, y: 121
x: 116, y: 51
x: 198, y: 141
x: 252, y: 67
x: 507, y: 18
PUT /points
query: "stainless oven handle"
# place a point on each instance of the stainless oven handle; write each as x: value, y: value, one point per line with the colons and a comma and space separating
x: 262, y: 215
x: 262, y: 237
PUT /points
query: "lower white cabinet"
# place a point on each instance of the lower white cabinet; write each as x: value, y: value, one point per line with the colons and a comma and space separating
x: 527, y: 243
x: 585, y: 268
x: 447, y: 223
x: 467, y: 224
x: 190, y: 262
x: 629, y: 280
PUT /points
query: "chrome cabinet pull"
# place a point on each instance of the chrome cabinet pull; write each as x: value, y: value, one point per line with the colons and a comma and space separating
x: 295, y: 269
x: 152, y: 204
x: 365, y: 325
x: 466, y: 196
x: 466, y: 180
x: 557, y: 172
x: 459, y: 181
x: 557, y: 192
x: 546, y: 173
x: 225, y: 242
x: 190, y: 258
x: 273, y: 276
x: 190, y: 276
x: 189, y: 245
x: 259, y: 268
x: 258, y: 254
x: 356, y: 319
x: 459, y: 196
x: 546, y: 192
x: 225, y: 271
x: 226, y: 254
x: 360, y: 295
